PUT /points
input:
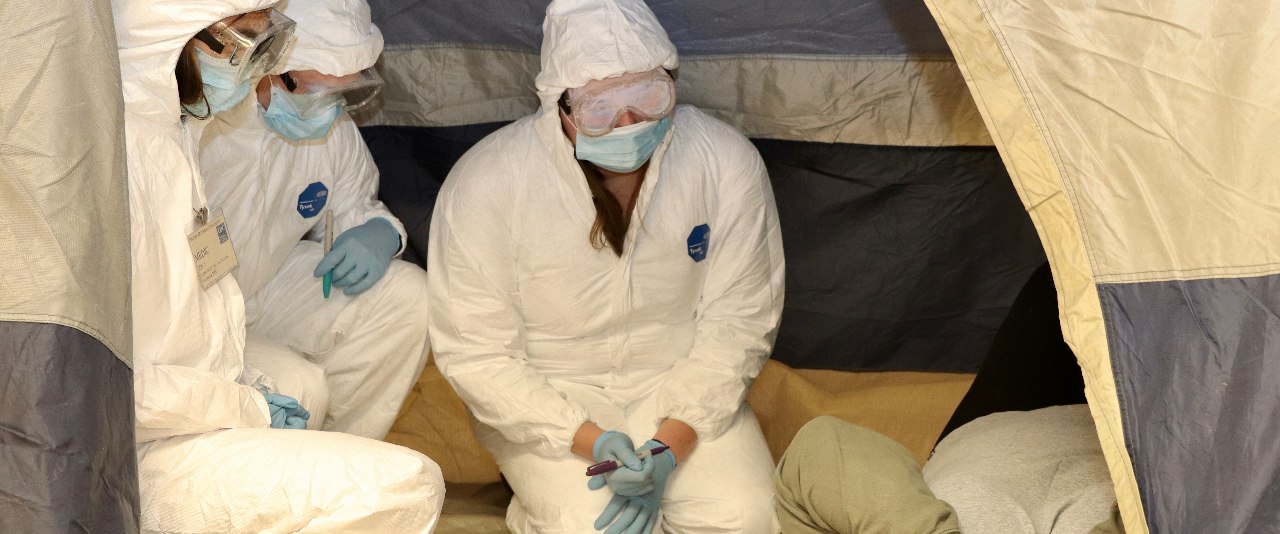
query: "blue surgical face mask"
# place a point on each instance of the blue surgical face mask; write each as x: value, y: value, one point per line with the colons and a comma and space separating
x: 624, y: 149
x: 221, y: 92
x: 283, y: 117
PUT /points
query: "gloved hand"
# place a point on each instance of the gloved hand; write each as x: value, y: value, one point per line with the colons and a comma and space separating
x: 630, y: 479
x: 360, y: 256
x: 638, y: 514
x: 286, y: 412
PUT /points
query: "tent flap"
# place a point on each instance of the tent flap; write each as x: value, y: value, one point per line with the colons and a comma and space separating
x: 1140, y: 137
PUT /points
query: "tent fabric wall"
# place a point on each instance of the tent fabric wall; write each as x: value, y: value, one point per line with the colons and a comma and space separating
x: 64, y: 233
x: 778, y: 71
x: 67, y: 460
x: 1140, y: 138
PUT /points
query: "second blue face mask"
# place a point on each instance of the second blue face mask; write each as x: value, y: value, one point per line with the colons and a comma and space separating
x: 221, y: 91
x: 283, y: 117
x: 624, y: 149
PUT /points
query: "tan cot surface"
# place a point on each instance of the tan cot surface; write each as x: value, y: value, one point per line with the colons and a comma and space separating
x: 910, y: 407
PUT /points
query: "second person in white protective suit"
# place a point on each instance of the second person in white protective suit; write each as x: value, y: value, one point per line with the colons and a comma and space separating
x: 606, y: 277
x: 216, y: 447
x: 279, y: 164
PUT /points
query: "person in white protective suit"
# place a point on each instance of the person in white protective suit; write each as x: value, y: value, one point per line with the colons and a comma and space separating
x: 605, y: 271
x: 278, y: 164
x: 216, y: 449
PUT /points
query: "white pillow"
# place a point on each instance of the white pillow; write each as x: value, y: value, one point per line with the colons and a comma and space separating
x: 1036, y: 472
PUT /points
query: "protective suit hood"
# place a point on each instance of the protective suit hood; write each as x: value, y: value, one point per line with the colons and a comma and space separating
x: 150, y: 35
x: 585, y: 40
x: 335, y: 37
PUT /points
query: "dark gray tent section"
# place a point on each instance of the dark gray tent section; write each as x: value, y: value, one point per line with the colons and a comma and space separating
x: 905, y: 240
x: 67, y: 460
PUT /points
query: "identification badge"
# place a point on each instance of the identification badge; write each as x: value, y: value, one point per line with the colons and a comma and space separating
x: 212, y: 251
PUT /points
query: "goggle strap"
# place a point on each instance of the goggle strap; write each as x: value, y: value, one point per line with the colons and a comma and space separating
x: 213, y: 42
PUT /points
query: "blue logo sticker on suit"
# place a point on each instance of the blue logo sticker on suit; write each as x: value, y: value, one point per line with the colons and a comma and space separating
x: 312, y: 200
x: 699, y: 241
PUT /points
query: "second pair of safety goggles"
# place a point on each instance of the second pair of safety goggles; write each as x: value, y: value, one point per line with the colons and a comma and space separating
x: 252, y: 42
x: 598, y: 106
x: 315, y: 92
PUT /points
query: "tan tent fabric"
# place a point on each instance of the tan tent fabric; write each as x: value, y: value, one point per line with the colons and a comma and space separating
x: 916, y: 101
x: 910, y: 407
x: 434, y: 421
x: 62, y: 175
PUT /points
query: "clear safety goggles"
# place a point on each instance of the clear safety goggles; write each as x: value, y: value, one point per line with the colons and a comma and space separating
x: 314, y: 92
x: 598, y: 106
x: 252, y: 42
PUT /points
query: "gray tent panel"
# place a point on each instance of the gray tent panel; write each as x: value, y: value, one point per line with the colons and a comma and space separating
x: 697, y: 27
x: 67, y: 460
x: 1178, y: 347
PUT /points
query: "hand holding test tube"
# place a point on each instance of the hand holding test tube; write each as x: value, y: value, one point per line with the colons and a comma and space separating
x: 610, y: 465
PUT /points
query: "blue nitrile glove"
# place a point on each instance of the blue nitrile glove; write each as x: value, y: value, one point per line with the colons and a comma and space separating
x: 630, y: 479
x: 360, y: 256
x: 286, y: 412
x: 637, y: 515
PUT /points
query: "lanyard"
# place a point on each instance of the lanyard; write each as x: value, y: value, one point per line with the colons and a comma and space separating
x: 199, y: 206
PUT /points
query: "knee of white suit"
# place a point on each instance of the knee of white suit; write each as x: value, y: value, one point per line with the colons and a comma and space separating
x: 403, y: 291
x: 379, y: 355
x: 267, y: 480
x: 750, y: 510
x: 404, y: 494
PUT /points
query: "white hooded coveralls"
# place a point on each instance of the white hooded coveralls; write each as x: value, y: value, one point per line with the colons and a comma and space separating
x: 274, y: 193
x: 207, y: 460
x: 539, y: 331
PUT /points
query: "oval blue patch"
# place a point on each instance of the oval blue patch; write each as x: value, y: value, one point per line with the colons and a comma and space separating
x: 699, y: 241
x: 312, y: 200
